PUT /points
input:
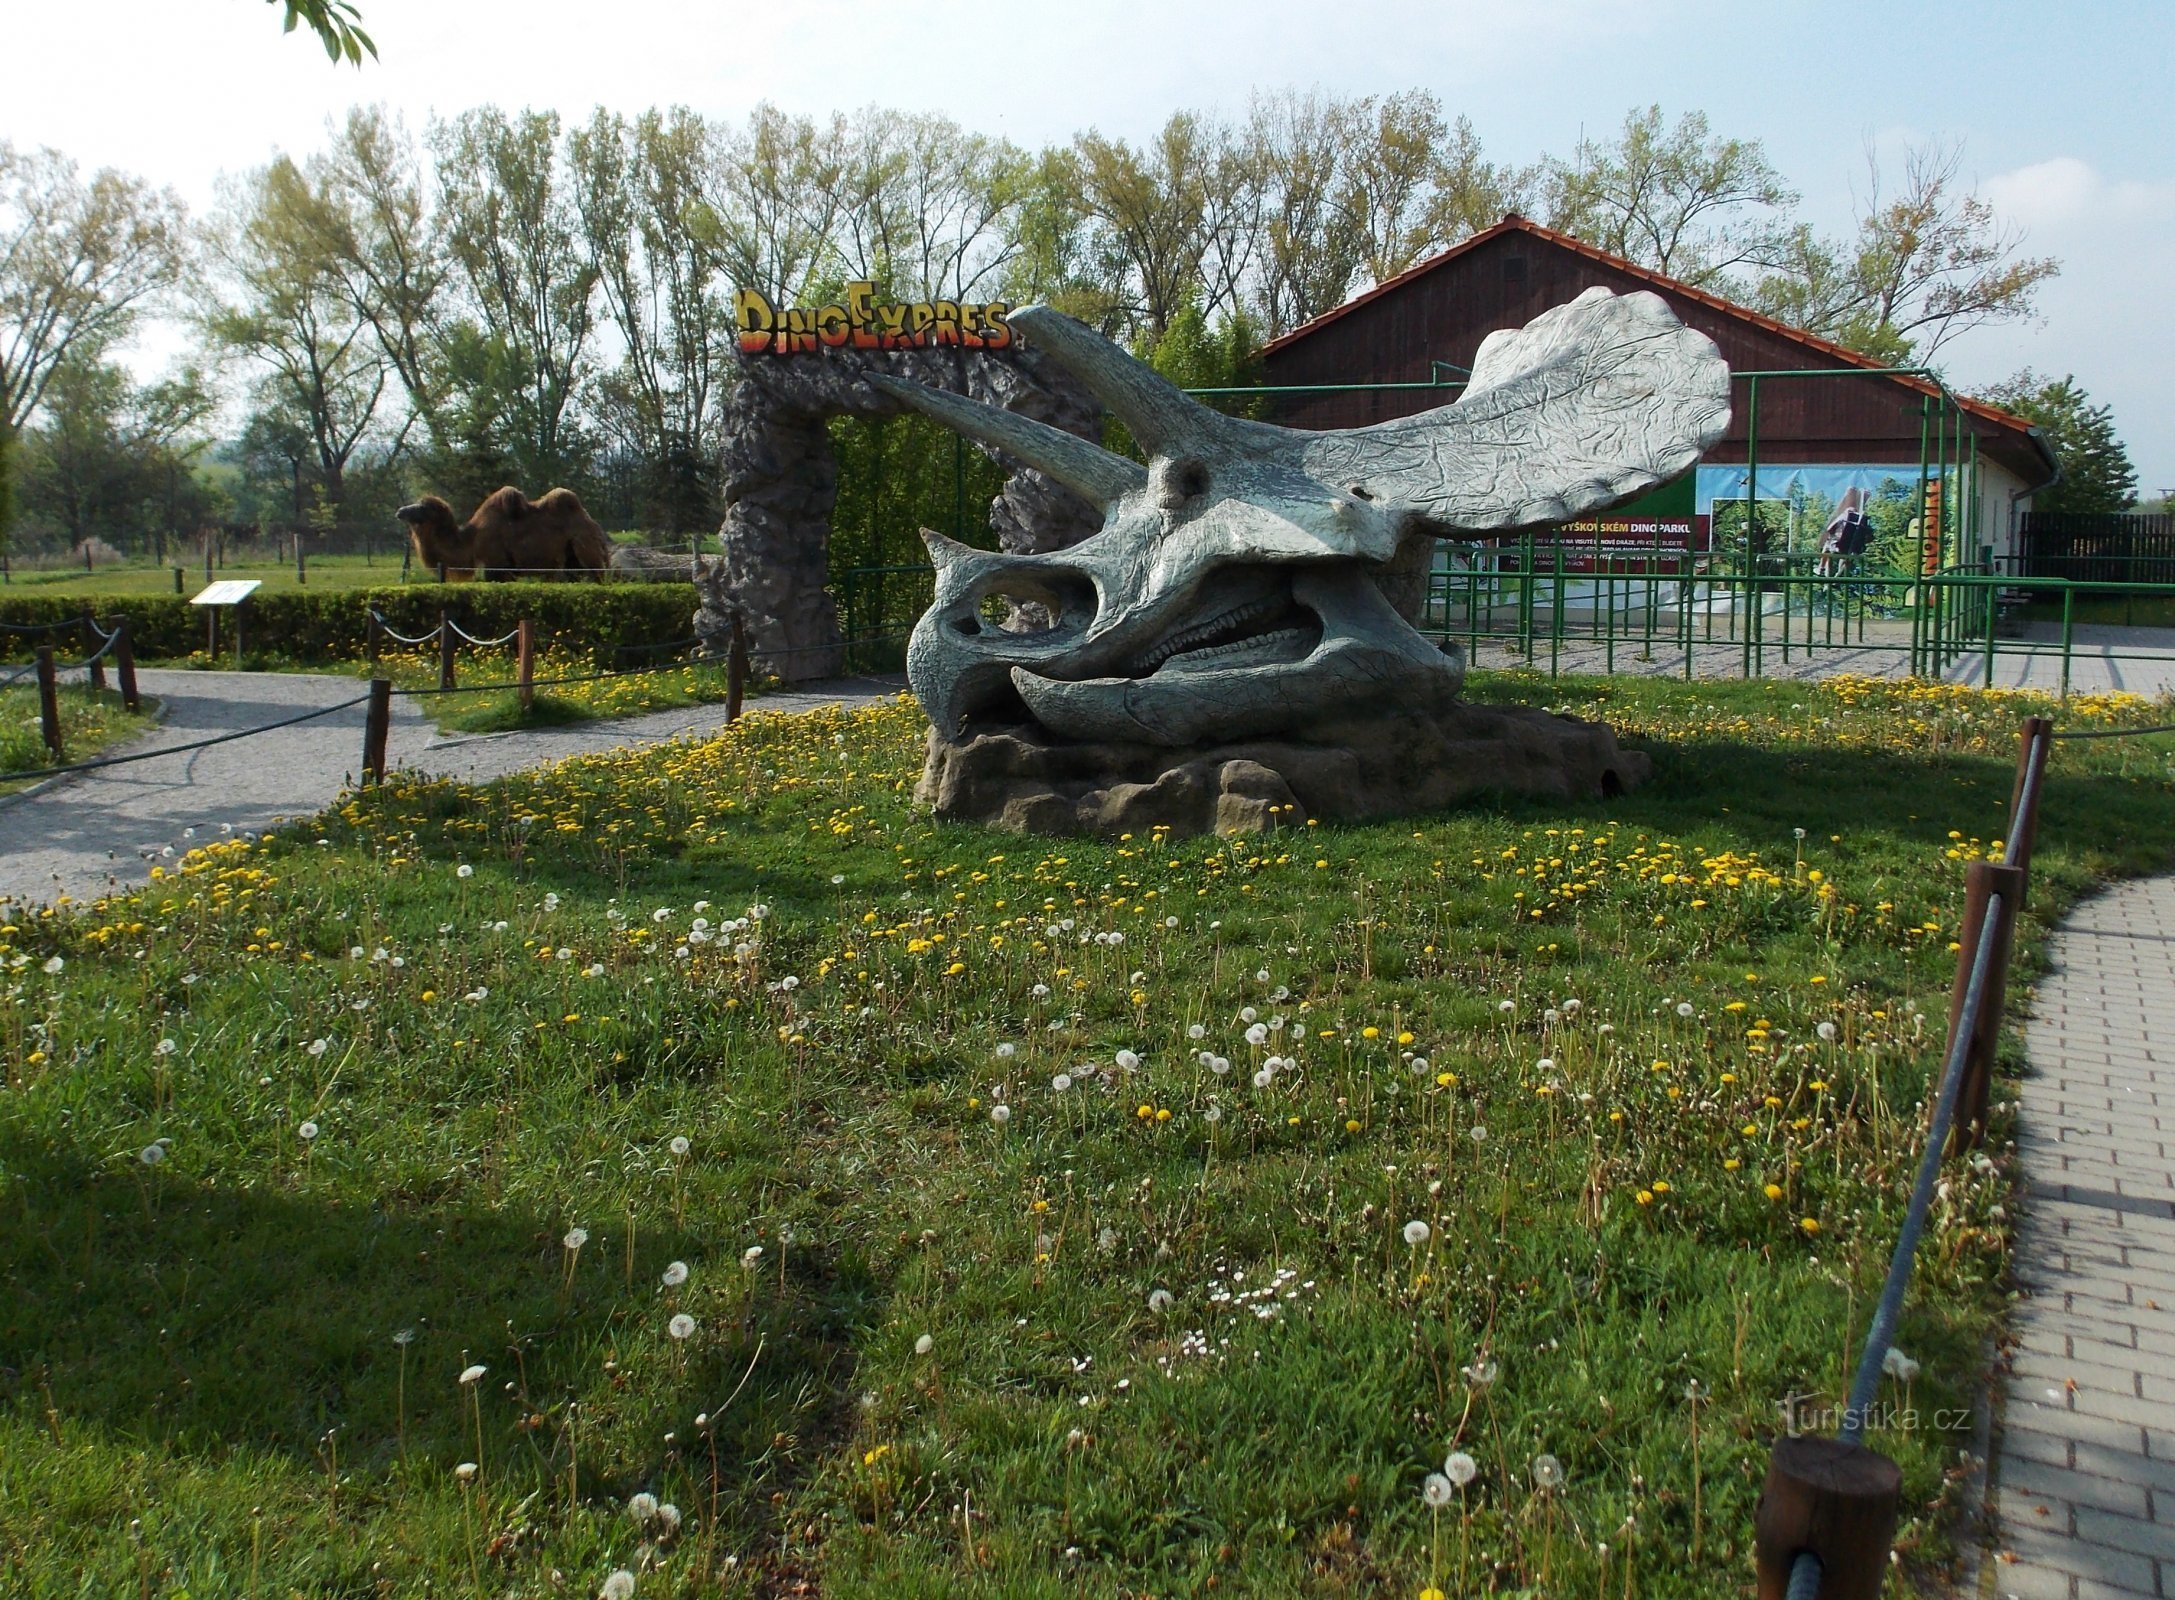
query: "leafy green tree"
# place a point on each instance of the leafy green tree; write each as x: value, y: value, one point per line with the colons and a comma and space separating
x: 2096, y: 470
x: 1678, y: 198
x: 274, y: 295
x: 114, y: 461
x: 79, y: 261
x: 507, y: 211
x: 1928, y: 260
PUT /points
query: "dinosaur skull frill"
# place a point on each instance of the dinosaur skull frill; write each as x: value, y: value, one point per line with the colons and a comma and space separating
x: 1235, y: 589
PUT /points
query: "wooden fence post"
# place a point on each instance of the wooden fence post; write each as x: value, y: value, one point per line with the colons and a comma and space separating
x: 445, y: 649
x: 370, y: 635
x: 177, y: 580
x: 302, y: 570
x: 124, y: 664
x: 736, y: 671
x: 377, y: 722
x: 525, y: 664
x: 1836, y: 1500
x: 49, y: 701
x: 2034, y: 742
x: 95, y: 666
x: 1983, y: 881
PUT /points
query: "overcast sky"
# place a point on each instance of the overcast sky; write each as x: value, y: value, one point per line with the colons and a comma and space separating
x: 2064, y: 109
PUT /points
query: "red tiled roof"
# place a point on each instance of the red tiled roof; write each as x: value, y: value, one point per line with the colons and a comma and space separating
x: 1840, y: 355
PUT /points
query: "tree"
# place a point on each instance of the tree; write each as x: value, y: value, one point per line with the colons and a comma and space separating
x: 639, y: 189
x: 1926, y: 263
x: 380, y: 241
x: 1154, y: 215
x: 1681, y: 200
x: 112, y: 460
x: 276, y: 297
x: 78, y: 262
x: 2096, y: 470
x: 337, y: 24
x: 512, y: 230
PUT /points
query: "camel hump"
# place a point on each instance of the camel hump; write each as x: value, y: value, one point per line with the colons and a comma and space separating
x: 562, y: 502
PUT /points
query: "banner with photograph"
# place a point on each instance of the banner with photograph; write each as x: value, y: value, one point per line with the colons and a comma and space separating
x: 1862, y: 520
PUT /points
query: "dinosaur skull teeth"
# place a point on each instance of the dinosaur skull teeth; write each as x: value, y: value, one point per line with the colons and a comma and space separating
x: 1256, y: 644
x: 1220, y: 631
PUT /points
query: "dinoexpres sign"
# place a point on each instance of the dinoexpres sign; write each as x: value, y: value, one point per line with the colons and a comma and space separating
x: 865, y: 323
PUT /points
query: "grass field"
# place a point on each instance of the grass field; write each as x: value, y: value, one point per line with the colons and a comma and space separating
x: 424, y: 1199
x: 90, y: 722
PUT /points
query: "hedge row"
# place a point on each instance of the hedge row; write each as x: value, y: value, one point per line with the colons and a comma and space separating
x: 598, y: 620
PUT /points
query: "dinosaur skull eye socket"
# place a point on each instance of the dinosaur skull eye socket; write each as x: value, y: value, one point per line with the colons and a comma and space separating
x: 1180, y: 480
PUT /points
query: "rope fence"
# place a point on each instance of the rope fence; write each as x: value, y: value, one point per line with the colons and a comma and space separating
x: 1826, y: 1521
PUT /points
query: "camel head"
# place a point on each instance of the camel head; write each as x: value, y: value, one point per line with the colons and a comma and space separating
x: 1235, y: 588
x: 439, y: 541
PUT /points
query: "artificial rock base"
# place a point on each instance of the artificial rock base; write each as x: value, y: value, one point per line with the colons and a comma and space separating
x: 1019, y: 778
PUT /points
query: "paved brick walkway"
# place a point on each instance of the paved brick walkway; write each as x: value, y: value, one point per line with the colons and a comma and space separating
x: 2086, y: 1463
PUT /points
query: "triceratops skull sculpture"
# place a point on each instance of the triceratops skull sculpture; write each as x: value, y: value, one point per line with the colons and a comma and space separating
x: 1233, y: 590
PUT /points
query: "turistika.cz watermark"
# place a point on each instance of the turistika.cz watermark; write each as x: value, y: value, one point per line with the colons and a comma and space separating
x: 1809, y: 1413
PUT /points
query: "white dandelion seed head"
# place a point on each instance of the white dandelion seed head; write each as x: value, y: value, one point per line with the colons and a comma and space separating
x: 151, y: 1154
x: 1040, y: 991
x: 1128, y: 1060
x: 1506, y: 1006
x: 1262, y: 976
x: 551, y: 901
x: 1264, y: 1078
x: 306, y: 1132
x: 1898, y: 1366
x: 682, y: 1326
x: 1061, y: 1082
x: 642, y: 1506
x: 679, y: 1145
x: 575, y: 1238
x: 1000, y: 1113
x: 53, y: 966
x: 1159, y: 1301
x: 1684, y: 1008
x: 750, y: 1256
x: 925, y: 1344
x: 1547, y: 1472
x: 1460, y: 1468
x: 668, y: 1519
x: 165, y: 1047
x: 619, y: 1586
x: 1827, y: 1032
x: 1170, y: 922
x: 1195, y: 1030
x: 1219, y: 1065
x: 675, y: 1274
x: 1545, y: 1064
x: 464, y: 870
x: 837, y: 878
x: 1007, y: 1050
x: 466, y: 1472
x: 472, y: 1375
x: 1437, y: 1491
x: 1416, y: 1232
x: 1257, y: 1034
x: 1479, y: 1133
x: 1213, y: 1114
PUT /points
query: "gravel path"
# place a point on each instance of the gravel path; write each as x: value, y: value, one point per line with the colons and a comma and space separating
x: 100, y: 831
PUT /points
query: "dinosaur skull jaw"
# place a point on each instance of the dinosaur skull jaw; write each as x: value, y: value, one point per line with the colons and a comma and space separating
x: 1277, y: 650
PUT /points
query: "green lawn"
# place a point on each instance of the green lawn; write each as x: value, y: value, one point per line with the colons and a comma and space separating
x: 90, y: 721
x: 510, y: 1081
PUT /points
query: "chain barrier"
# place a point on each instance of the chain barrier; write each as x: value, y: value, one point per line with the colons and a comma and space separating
x: 460, y: 632
x: 431, y: 637
x: 181, y: 749
x: 2109, y: 733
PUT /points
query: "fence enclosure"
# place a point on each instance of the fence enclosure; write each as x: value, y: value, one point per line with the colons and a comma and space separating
x: 2108, y: 550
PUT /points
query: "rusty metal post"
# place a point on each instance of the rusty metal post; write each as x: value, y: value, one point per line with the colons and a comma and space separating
x: 124, y: 666
x: 49, y: 701
x: 525, y: 664
x: 377, y: 723
x: 1835, y: 1500
x: 2034, y: 740
x: 1990, y: 889
x: 445, y: 649
x: 736, y: 671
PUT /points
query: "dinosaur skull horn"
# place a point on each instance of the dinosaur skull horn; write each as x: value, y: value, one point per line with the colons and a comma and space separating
x: 1081, y: 466
x: 1159, y: 415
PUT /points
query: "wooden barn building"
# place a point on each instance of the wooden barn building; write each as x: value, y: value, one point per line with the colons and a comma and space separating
x: 1423, y: 327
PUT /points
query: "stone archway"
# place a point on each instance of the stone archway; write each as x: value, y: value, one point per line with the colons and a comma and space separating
x: 781, y: 483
